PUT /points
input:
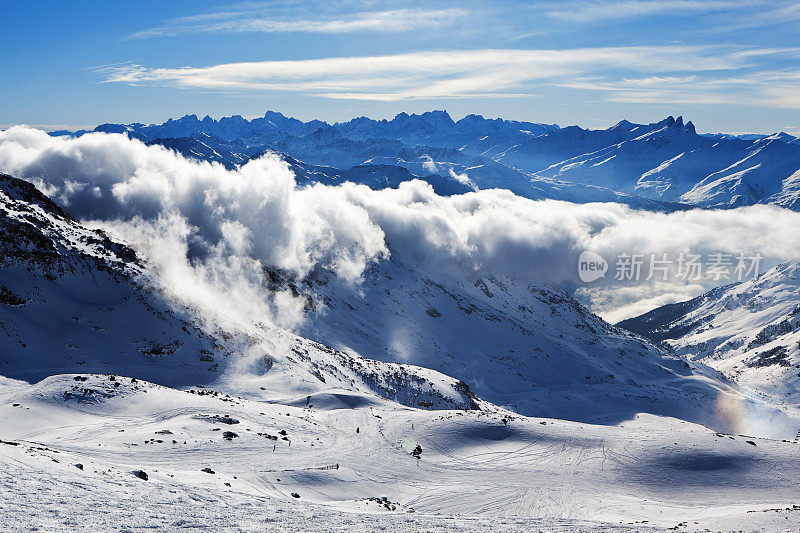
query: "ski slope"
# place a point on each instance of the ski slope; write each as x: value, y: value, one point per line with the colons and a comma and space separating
x: 476, y: 470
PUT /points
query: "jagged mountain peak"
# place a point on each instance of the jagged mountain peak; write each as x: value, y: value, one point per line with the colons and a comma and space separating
x: 274, y: 114
x: 280, y: 119
x: 783, y: 136
x: 438, y: 114
x: 184, y: 119
x: 359, y: 120
x: 669, y: 121
x: 435, y: 119
x: 623, y: 124
x: 672, y: 122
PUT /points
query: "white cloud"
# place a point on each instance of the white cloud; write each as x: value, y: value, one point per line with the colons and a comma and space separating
x: 590, y: 12
x: 247, y: 21
x: 419, y: 75
x: 208, y: 231
x: 766, y: 88
x: 645, y: 75
x: 777, y: 13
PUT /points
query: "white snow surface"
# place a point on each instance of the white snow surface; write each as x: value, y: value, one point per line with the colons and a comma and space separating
x: 749, y: 331
x: 476, y: 471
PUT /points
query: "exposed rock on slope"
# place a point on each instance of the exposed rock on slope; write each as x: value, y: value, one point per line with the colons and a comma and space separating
x: 750, y: 331
x: 73, y: 300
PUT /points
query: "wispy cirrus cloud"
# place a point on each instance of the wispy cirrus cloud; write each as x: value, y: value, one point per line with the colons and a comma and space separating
x: 768, y: 88
x: 657, y: 74
x: 600, y: 11
x: 779, y: 13
x: 249, y: 21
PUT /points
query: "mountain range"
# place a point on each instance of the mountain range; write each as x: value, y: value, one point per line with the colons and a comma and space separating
x: 665, y: 165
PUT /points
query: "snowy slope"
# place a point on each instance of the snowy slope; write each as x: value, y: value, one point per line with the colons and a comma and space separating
x: 789, y: 195
x: 259, y: 428
x: 73, y: 300
x: 670, y: 162
x: 749, y: 331
x: 530, y: 348
x: 75, y: 447
x: 759, y: 174
x: 69, y: 301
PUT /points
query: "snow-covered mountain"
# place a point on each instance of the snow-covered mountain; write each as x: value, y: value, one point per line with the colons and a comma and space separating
x: 669, y: 161
x: 749, y: 331
x: 665, y: 162
x: 69, y: 301
x: 528, y: 347
x: 73, y: 300
x: 789, y: 195
x: 76, y: 301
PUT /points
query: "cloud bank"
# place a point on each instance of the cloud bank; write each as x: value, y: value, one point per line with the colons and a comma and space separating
x: 208, y: 232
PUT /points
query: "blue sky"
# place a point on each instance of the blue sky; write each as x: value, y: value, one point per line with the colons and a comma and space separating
x: 726, y: 65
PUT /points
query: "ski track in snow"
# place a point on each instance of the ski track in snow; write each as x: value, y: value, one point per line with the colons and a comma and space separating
x: 476, y: 471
